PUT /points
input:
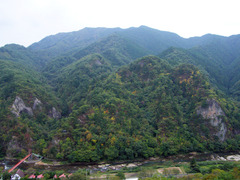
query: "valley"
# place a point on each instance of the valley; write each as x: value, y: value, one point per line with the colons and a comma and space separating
x: 115, y: 95
x: 170, y: 167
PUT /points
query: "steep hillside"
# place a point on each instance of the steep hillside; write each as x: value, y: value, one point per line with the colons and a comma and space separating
x: 148, y: 109
x: 22, y: 55
x: 153, y: 40
x: 59, y: 44
x: 197, y: 56
x: 220, y: 59
x: 17, y: 80
x: 117, y: 50
x: 52, y: 69
x: 120, y: 45
x: 28, y: 108
x: 76, y: 80
x: 84, y: 96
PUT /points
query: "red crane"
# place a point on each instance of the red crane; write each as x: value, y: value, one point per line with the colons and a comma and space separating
x: 20, y: 162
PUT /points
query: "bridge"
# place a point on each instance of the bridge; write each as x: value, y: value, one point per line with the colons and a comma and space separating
x: 20, y: 162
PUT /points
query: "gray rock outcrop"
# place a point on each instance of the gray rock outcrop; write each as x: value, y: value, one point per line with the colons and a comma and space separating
x: 215, y: 114
x: 37, y: 104
x: 54, y: 113
x: 19, y: 107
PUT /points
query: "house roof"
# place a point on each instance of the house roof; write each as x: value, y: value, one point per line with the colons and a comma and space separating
x: 20, y: 173
x: 63, y: 175
x: 32, y: 176
x: 40, y: 176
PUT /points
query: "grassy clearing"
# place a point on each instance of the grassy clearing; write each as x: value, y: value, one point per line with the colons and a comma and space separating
x: 168, y: 169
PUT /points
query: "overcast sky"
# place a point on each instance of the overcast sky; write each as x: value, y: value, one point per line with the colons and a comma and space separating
x: 27, y: 21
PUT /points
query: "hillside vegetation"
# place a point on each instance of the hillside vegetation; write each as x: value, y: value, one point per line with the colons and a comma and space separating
x: 117, y: 94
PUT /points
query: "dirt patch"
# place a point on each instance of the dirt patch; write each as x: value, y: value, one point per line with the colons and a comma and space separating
x: 106, y: 176
x: 171, y: 171
x: 131, y: 175
x: 40, y: 163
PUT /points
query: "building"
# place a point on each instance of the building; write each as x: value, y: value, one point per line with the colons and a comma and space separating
x: 19, y: 174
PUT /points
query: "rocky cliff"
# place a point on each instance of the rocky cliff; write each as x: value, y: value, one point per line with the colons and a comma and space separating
x: 215, y: 114
x: 19, y: 107
x: 37, y: 104
x: 53, y: 113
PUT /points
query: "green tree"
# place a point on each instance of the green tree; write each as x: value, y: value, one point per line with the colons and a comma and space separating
x: 121, y: 175
x: 194, y: 166
x: 6, y: 176
x: 111, y: 153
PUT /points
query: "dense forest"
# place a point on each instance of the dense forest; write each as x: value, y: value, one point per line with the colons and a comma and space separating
x: 120, y: 94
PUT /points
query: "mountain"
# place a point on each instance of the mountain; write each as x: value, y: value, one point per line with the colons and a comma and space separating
x: 75, y: 80
x: 219, y: 59
x: 145, y: 109
x: 153, y: 40
x: 55, y: 45
x: 18, y: 80
x: 117, y: 50
x: 28, y: 108
x: 145, y: 39
x: 17, y: 53
x: 114, y: 94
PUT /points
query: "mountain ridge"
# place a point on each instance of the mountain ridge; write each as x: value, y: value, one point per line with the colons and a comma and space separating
x: 94, y: 34
x: 122, y: 94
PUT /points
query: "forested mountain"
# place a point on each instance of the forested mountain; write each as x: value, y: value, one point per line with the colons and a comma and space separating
x: 77, y: 79
x: 27, y: 104
x: 218, y: 59
x: 116, y: 49
x: 17, y: 53
x: 55, y: 45
x: 115, y: 94
x: 146, y: 109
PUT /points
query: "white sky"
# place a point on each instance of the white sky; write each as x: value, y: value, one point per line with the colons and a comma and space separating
x: 27, y: 21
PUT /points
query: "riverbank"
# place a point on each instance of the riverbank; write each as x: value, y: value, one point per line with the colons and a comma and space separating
x: 118, y: 165
x: 177, y: 166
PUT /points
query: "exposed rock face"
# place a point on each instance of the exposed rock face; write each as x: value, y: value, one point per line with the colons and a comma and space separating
x: 97, y: 62
x: 214, y: 113
x: 55, y: 114
x: 233, y: 157
x: 19, y: 107
x: 37, y: 104
x: 55, y: 142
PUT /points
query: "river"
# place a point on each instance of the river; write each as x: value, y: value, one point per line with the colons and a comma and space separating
x: 93, y: 167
